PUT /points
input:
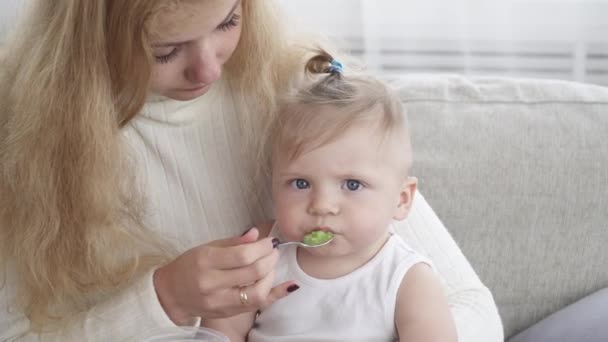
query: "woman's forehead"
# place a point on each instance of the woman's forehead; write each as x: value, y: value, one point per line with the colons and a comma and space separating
x: 189, y: 20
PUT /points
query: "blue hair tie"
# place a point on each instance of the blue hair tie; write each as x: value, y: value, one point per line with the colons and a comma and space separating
x: 336, y: 67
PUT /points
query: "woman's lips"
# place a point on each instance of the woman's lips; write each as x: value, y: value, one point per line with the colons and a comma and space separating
x: 196, y: 88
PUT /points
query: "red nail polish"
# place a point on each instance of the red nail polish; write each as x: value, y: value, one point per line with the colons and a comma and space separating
x: 292, y: 288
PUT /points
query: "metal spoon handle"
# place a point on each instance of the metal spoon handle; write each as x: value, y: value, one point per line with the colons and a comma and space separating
x: 292, y: 243
x: 302, y: 244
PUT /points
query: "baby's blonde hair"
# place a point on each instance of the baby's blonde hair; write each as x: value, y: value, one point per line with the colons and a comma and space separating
x: 357, y: 98
x: 75, y: 72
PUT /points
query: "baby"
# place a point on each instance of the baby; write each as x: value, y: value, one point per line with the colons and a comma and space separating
x: 340, y: 160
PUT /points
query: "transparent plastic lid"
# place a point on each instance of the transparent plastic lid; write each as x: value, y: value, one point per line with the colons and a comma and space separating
x: 183, y: 334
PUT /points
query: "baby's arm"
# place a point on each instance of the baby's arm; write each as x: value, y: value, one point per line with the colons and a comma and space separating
x: 422, y: 312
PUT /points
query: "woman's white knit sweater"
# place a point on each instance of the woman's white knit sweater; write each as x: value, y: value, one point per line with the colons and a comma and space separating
x: 191, y: 168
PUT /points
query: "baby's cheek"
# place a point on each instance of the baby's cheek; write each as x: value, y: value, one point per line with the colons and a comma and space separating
x: 288, y: 224
x: 288, y: 233
x: 367, y: 228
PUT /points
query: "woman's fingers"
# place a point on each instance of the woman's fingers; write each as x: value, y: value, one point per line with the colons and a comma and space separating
x: 250, y: 235
x: 220, y: 279
x: 258, y: 292
x: 261, y: 294
x: 248, y: 298
x: 278, y: 292
x: 232, y: 266
x: 237, y: 256
x: 248, y: 274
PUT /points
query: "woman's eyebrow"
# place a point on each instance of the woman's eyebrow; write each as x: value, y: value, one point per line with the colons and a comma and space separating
x: 236, y: 4
x: 168, y: 44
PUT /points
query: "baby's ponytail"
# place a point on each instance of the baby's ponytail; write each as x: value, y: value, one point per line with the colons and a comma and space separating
x: 354, y: 97
x: 329, y: 83
x: 324, y: 63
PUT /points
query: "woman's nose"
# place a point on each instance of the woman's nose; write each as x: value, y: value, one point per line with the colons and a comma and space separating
x: 323, y: 204
x: 205, y: 67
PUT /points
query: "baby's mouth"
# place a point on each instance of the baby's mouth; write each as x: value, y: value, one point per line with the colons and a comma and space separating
x: 318, y: 237
x: 322, y: 229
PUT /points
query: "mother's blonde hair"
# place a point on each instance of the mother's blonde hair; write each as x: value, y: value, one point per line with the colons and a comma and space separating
x: 70, y: 220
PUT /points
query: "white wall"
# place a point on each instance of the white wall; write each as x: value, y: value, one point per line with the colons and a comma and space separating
x: 442, y: 19
x: 565, y: 39
x: 422, y: 19
x: 9, y: 10
x: 574, y: 28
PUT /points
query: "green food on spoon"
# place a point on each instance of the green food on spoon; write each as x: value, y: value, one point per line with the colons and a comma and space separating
x: 317, y: 237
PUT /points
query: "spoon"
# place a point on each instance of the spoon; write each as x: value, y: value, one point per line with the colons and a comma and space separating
x: 311, y: 240
x: 305, y: 245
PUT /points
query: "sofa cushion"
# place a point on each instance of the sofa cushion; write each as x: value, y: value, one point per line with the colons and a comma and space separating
x: 517, y: 170
x: 583, y: 321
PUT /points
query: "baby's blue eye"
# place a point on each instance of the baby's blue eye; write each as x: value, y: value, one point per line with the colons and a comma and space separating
x: 300, y: 184
x: 353, y: 185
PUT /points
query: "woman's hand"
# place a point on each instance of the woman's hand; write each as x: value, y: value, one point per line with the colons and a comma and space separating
x: 208, y: 280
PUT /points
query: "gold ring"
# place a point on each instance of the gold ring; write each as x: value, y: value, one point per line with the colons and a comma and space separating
x: 243, y: 296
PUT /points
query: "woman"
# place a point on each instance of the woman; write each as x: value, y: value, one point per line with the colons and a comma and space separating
x: 135, y: 129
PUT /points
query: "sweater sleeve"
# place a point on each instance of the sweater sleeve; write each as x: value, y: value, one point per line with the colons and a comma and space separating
x: 126, y: 316
x: 472, y: 305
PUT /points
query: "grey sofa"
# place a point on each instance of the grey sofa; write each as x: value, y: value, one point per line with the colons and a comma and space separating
x: 517, y: 170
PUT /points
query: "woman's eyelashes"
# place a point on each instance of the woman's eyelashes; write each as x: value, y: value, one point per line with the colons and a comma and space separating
x: 230, y: 23
x: 168, y: 57
x: 225, y: 26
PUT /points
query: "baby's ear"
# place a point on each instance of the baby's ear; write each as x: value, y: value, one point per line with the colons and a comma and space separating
x: 406, y: 196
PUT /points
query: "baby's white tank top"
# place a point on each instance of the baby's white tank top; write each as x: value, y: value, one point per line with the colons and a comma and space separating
x: 359, y: 306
